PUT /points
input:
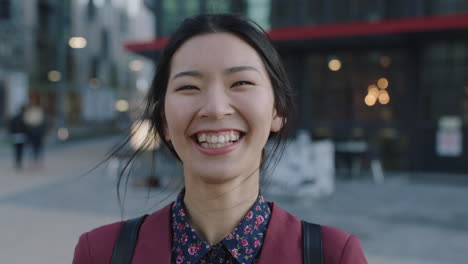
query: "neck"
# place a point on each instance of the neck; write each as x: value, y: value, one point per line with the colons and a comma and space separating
x: 214, y: 210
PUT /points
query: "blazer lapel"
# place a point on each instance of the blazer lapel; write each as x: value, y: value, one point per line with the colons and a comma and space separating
x: 155, y: 241
x: 283, y: 240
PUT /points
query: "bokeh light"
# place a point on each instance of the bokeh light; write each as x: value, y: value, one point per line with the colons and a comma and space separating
x: 382, y: 83
x: 54, y: 76
x: 373, y: 90
x: 77, y: 42
x: 334, y: 65
x: 384, y: 97
x: 385, y: 61
x: 370, y: 100
x: 62, y: 133
x: 122, y: 105
x: 136, y: 65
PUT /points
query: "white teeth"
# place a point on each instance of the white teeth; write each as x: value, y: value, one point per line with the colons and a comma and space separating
x: 201, y: 137
x: 214, y: 139
x: 218, y: 141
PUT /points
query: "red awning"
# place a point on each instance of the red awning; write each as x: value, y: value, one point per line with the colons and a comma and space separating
x: 347, y: 29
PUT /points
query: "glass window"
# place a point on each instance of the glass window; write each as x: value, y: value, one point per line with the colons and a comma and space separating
x: 5, y: 10
x: 447, y: 6
x: 216, y: 6
x: 259, y: 11
x: 444, y: 77
x: 123, y: 21
x: 460, y: 50
x: 464, y: 104
x: 91, y: 9
x: 436, y: 51
x: 397, y: 8
x: 313, y: 11
x: 175, y: 11
x: 105, y: 42
x: 282, y: 13
x: 339, y: 10
x: 366, y: 9
x: 95, y: 65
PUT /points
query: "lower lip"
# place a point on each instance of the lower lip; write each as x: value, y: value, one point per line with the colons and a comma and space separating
x: 218, y: 151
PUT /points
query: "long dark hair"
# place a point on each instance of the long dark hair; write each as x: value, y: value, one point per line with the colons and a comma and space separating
x: 252, y: 34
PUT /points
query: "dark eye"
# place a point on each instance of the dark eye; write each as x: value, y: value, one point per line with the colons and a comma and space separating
x: 186, y: 87
x: 241, y: 83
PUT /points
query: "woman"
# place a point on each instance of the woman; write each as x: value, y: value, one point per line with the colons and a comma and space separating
x: 220, y: 92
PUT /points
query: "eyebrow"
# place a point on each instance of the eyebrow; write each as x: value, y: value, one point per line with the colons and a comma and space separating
x: 235, y: 69
x: 188, y: 73
x: 227, y: 71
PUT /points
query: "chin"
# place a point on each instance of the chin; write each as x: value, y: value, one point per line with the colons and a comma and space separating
x: 222, y: 175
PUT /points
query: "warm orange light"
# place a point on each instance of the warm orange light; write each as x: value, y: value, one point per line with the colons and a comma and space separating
x: 385, y: 61
x: 374, y: 91
x: 372, y: 86
x: 334, y: 65
x: 382, y: 83
x: 370, y: 100
x: 384, y: 97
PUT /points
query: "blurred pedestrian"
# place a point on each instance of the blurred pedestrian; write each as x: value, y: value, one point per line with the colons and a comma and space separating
x: 18, y: 134
x: 35, y: 121
x: 220, y: 92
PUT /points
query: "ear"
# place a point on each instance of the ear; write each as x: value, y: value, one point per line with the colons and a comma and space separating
x: 277, y: 122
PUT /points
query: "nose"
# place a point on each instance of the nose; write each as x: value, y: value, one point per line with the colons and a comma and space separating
x: 216, y: 104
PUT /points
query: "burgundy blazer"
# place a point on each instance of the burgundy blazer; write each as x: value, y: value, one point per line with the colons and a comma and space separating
x: 283, y: 242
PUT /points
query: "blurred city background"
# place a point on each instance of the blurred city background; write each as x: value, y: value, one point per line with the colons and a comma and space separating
x: 379, y: 147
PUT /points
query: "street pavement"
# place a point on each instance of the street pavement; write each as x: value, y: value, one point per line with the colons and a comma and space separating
x: 44, y: 210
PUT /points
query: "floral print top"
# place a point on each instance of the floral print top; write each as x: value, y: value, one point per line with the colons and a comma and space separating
x: 241, y: 246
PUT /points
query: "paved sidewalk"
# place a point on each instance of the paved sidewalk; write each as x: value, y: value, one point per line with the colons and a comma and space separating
x: 44, y: 211
x: 397, y: 222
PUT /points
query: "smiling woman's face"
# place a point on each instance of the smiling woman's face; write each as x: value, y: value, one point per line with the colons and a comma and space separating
x: 219, y: 108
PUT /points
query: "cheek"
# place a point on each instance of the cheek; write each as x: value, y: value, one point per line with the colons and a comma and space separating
x: 173, y: 117
x: 258, y: 110
x: 179, y: 112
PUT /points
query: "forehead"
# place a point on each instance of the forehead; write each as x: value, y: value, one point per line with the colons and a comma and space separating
x: 215, y: 51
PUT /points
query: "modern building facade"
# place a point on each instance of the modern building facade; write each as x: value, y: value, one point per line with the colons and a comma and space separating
x: 68, y: 57
x: 16, y: 60
x: 390, y: 73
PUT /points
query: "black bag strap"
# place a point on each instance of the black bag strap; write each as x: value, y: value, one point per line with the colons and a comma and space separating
x: 312, y: 243
x: 126, y: 241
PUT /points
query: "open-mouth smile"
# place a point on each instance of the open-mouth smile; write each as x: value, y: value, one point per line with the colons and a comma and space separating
x: 217, y: 142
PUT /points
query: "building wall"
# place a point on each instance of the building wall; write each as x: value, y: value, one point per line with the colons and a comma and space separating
x: 16, y: 55
x: 104, y: 64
